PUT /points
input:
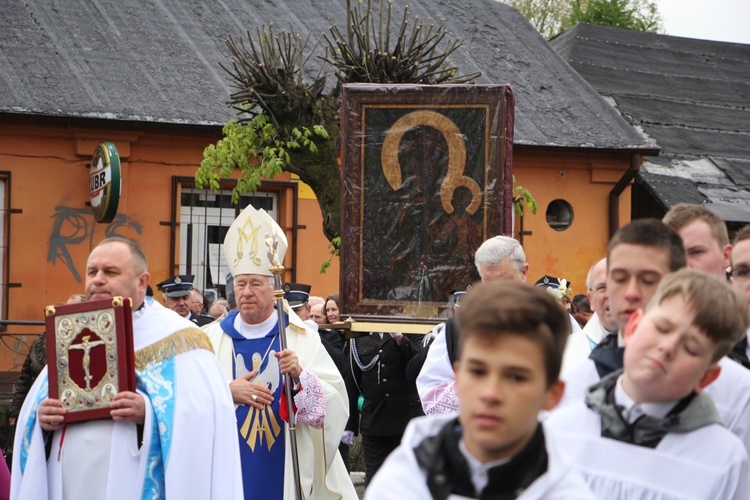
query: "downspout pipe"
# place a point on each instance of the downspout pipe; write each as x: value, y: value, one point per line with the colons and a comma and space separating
x: 617, y: 190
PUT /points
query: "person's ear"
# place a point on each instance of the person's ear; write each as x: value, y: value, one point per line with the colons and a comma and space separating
x: 554, y: 395
x: 143, y: 280
x: 727, y: 255
x: 712, y: 373
x: 632, y: 326
x: 525, y: 272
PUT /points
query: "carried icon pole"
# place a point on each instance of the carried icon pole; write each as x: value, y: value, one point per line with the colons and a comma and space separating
x: 276, y: 269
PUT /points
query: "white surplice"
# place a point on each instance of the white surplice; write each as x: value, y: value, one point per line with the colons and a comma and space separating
x: 189, y: 448
x: 707, y: 463
x: 580, y: 344
x: 401, y: 477
x: 730, y: 393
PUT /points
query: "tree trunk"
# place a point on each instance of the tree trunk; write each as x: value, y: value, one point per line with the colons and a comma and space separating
x: 322, y: 173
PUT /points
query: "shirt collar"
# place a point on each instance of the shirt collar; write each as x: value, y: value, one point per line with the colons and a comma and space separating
x: 632, y: 411
x: 479, y: 471
x: 257, y: 331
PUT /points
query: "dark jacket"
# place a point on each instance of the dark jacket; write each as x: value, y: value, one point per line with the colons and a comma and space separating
x: 334, y: 344
x: 389, y: 403
x: 200, y: 320
x: 35, y: 361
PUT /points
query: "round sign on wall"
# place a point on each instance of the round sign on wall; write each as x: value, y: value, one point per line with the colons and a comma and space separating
x: 105, y: 183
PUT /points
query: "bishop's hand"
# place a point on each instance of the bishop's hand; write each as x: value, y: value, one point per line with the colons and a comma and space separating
x: 246, y: 392
x: 289, y: 363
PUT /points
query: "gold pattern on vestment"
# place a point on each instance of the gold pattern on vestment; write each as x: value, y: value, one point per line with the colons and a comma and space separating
x: 251, y: 238
x: 180, y: 341
x: 260, y: 424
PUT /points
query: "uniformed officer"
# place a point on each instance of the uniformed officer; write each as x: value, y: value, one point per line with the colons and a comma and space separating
x: 296, y: 294
x: 176, y: 291
x: 387, y: 403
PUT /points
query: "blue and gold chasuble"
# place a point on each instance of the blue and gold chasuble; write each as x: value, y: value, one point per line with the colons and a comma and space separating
x: 261, y: 432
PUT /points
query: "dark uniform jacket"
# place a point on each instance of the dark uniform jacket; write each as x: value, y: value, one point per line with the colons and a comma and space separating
x: 200, y: 320
x: 389, y: 402
x: 334, y: 343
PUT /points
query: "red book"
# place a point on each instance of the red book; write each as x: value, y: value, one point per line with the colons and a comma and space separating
x: 90, y: 355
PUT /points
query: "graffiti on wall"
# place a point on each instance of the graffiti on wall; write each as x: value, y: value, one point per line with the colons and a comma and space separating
x: 73, y: 227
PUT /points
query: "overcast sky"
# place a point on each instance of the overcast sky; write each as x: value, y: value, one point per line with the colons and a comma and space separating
x: 722, y: 20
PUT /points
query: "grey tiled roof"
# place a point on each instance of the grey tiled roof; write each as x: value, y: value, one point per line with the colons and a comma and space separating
x: 157, y: 61
x: 690, y: 96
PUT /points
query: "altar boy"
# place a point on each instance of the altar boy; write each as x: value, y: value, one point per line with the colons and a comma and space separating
x: 511, y: 341
x: 648, y: 430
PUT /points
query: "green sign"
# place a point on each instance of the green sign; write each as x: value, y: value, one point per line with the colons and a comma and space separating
x: 105, y: 182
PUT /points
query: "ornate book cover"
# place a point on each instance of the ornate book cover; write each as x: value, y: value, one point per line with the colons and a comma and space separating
x: 90, y: 355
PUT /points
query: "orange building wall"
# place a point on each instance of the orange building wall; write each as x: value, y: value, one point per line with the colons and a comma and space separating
x: 52, y: 236
x: 584, y: 181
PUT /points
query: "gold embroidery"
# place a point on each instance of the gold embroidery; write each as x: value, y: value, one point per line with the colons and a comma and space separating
x: 251, y: 238
x: 454, y: 178
x: 180, y: 341
x: 259, y: 424
x: 297, y: 328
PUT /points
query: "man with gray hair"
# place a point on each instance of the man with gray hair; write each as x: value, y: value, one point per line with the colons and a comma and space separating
x: 254, y: 359
x: 580, y: 344
x: 499, y: 257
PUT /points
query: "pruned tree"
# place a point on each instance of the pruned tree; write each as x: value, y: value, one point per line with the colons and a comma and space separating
x: 289, y: 122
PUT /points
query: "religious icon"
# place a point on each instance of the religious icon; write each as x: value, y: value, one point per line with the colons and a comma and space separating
x: 427, y: 178
x: 86, y: 346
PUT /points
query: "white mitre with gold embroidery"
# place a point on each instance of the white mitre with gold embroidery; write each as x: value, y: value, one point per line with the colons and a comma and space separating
x: 245, y: 246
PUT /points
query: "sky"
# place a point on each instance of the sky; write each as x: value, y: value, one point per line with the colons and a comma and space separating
x: 721, y: 20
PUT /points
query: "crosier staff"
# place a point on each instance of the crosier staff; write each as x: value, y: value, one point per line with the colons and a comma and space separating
x: 276, y: 269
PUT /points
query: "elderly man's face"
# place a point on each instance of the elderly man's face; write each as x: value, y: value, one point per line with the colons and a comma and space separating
x: 196, y: 302
x: 180, y: 305
x: 598, y: 296
x: 316, y: 314
x: 254, y: 296
x: 506, y: 269
x: 110, y: 272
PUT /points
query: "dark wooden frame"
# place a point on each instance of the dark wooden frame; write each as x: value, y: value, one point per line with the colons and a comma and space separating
x: 492, y: 103
x: 58, y: 354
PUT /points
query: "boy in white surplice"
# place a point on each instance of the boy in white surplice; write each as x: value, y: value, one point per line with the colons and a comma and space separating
x: 648, y: 431
x: 511, y: 341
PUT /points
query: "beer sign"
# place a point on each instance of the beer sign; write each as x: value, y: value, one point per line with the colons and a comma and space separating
x: 105, y: 182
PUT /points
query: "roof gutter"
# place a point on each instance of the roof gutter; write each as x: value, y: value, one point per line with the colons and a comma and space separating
x: 617, y: 190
